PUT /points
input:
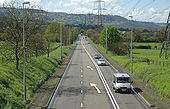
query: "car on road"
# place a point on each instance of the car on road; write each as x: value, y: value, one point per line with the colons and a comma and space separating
x: 122, y: 82
x: 97, y: 56
x: 101, y: 62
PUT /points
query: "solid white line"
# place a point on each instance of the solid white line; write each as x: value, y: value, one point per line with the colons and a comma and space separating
x: 105, y: 59
x: 112, y: 99
x: 81, y: 104
x: 138, y: 94
x: 55, y: 92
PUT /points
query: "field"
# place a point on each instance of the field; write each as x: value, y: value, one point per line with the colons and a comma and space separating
x: 156, y: 75
x: 38, y: 70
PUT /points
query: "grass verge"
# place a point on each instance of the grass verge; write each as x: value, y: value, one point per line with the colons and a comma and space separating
x: 38, y: 70
x: 156, y: 77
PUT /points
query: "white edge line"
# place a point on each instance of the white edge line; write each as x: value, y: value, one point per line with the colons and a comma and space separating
x: 103, y: 81
x: 54, y: 94
x: 119, y: 72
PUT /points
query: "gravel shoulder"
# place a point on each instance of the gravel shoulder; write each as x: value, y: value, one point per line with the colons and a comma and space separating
x: 43, y: 95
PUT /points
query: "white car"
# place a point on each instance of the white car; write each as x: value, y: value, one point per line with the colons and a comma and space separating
x: 101, y: 62
x: 121, y: 82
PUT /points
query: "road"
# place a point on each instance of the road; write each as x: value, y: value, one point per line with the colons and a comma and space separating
x: 75, y: 90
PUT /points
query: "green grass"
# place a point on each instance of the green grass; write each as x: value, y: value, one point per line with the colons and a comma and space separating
x: 156, y: 76
x: 37, y: 71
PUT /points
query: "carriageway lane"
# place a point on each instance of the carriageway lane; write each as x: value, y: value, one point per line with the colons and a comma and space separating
x: 68, y: 95
x: 124, y: 100
x: 93, y: 99
x: 74, y: 91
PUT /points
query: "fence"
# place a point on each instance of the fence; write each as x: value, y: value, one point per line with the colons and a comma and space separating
x: 160, y: 63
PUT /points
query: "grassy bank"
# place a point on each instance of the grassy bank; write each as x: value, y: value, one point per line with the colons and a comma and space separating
x: 154, y: 75
x: 38, y: 69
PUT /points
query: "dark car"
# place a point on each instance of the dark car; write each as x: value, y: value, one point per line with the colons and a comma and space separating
x: 97, y: 56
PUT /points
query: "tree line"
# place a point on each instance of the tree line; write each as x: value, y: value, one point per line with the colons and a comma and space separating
x: 119, y: 41
x: 38, y: 34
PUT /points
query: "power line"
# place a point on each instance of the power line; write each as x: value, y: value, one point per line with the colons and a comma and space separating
x: 133, y: 7
x: 99, y: 9
x: 147, y: 4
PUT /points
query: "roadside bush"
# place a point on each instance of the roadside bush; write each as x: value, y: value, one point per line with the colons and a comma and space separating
x: 142, y: 47
x: 118, y: 48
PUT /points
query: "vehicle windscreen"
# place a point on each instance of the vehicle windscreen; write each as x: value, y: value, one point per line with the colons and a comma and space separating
x: 123, y: 80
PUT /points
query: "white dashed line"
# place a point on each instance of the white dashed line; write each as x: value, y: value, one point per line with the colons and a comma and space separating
x: 81, y: 82
x: 81, y: 76
x: 81, y: 104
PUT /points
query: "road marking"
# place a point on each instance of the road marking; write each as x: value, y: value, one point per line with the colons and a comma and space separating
x: 95, y: 86
x: 81, y: 67
x: 137, y: 94
x: 89, y: 67
x: 81, y: 76
x: 56, y: 90
x: 81, y: 71
x: 81, y: 104
x: 81, y: 91
x: 106, y: 86
x: 81, y: 82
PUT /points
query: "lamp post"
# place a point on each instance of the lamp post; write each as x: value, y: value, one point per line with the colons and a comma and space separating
x: 24, y: 53
x: 106, y: 40
x: 61, y: 39
x: 69, y: 37
x: 131, y: 44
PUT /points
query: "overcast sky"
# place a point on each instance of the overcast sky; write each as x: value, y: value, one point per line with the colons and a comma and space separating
x: 142, y: 10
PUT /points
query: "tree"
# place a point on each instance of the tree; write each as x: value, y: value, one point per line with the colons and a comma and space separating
x: 93, y: 35
x: 137, y: 37
x: 74, y: 34
x: 113, y: 35
x: 12, y: 28
x: 161, y: 35
x: 37, y: 45
x: 52, y: 35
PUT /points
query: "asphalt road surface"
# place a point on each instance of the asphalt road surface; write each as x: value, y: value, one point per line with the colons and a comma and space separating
x: 82, y: 87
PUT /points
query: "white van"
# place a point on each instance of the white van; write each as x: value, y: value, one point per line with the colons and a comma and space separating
x: 121, y: 82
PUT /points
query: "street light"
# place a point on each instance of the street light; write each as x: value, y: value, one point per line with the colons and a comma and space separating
x: 106, y: 40
x: 24, y: 53
x: 61, y: 39
x: 131, y: 44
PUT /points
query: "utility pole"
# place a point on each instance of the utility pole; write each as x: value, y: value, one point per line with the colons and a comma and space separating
x: 99, y: 9
x: 25, y: 96
x: 61, y: 39
x: 165, y: 44
x: 69, y: 37
x: 106, y: 40
x: 131, y: 44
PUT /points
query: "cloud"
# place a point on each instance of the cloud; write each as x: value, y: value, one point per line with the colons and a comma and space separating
x: 152, y: 10
x: 137, y: 12
x: 81, y: 11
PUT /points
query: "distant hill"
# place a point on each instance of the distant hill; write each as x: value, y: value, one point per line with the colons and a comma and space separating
x: 91, y: 19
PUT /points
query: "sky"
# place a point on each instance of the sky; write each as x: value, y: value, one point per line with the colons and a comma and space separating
x: 141, y: 10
